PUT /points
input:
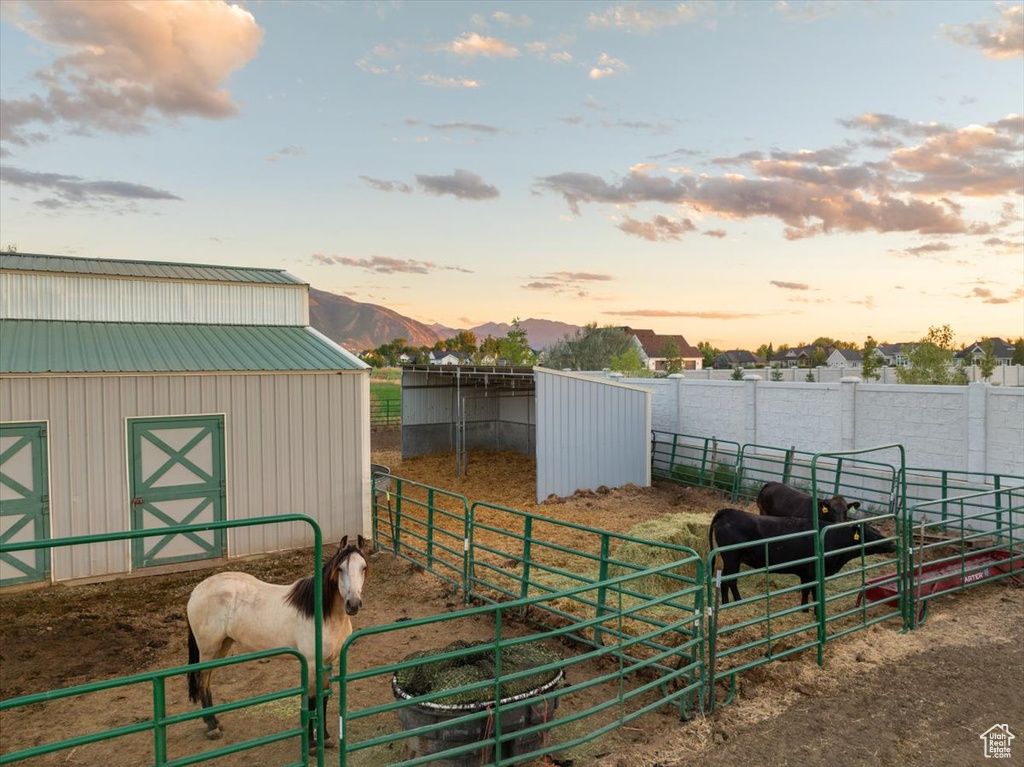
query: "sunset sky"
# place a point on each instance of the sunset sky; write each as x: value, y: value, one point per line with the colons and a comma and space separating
x: 735, y: 172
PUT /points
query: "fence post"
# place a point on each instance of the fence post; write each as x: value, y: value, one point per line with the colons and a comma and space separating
x: 398, y: 516
x: 601, y: 577
x: 159, y: 728
x: 430, y: 530
x: 524, y: 587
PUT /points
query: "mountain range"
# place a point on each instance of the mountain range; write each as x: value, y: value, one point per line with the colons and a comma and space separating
x: 358, y: 326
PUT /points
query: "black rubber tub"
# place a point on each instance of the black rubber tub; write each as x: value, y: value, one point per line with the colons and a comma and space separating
x: 544, y: 701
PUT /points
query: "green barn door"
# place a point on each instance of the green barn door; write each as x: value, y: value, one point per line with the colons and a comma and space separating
x: 176, y: 470
x: 24, y: 501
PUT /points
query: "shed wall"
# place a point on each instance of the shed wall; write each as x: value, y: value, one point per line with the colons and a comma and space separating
x: 590, y: 433
x: 108, y: 299
x: 295, y: 443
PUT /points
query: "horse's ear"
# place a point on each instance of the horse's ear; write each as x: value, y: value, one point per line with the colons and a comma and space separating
x: 344, y: 542
x: 361, y: 541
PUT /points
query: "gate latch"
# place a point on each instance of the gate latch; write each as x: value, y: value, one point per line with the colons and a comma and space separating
x: 137, y: 502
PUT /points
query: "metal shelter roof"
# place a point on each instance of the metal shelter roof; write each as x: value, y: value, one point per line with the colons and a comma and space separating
x: 501, y: 377
x: 51, y: 346
x: 35, y: 262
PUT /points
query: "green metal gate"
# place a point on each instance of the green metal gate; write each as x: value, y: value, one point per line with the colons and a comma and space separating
x: 176, y: 477
x: 24, y: 501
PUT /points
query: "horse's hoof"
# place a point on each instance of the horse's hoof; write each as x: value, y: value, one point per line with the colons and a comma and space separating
x: 215, y: 734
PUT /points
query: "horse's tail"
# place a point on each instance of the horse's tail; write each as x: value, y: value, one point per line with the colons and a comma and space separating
x: 193, y: 657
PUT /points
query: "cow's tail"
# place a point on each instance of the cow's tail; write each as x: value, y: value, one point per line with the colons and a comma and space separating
x: 711, y: 535
x: 193, y: 657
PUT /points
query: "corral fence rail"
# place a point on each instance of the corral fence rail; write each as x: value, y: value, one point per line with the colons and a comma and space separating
x: 161, y: 720
x: 600, y: 689
x: 385, y: 411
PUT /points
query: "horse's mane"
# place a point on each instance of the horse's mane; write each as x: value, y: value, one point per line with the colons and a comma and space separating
x: 302, y: 595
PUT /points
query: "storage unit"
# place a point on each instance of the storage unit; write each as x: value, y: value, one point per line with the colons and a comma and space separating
x: 138, y: 395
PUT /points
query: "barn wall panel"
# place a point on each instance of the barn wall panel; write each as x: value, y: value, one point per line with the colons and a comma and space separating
x: 294, y: 443
x: 103, y: 299
x: 590, y: 433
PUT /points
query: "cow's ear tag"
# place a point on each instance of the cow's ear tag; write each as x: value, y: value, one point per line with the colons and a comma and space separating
x: 824, y: 509
x: 856, y: 535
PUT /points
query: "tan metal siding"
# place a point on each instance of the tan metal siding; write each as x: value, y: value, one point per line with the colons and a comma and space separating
x: 590, y: 433
x: 294, y: 443
x: 105, y: 299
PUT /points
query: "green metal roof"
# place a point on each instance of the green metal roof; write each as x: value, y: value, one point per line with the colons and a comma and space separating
x: 34, y: 262
x: 50, y: 346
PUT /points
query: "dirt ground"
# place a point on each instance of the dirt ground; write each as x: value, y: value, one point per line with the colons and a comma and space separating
x: 882, y: 697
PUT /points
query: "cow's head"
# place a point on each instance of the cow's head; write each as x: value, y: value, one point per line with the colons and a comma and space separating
x: 835, y: 509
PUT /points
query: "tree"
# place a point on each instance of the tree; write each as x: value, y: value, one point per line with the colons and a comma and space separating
x: 515, y: 346
x: 491, y: 347
x: 776, y: 372
x: 1018, y: 352
x: 766, y: 351
x: 810, y: 376
x: 589, y: 348
x: 670, y: 351
x: 737, y: 373
x: 819, y: 356
x: 628, y: 361
x: 987, y: 364
x: 930, y: 360
x: 872, y: 365
x: 709, y: 352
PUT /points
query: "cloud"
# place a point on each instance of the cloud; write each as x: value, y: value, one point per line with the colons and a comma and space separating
x: 288, y: 151
x: 807, y: 12
x: 790, y: 285
x: 643, y: 20
x: 926, y: 249
x: 509, y: 20
x: 1008, y: 247
x: 691, y: 315
x: 75, y: 192
x: 566, y: 282
x: 461, y: 184
x: 658, y: 229
x: 818, y: 191
x: 387, y: 186
x: 129, y: 64
x: 976, y: 161
x: 719, y: 233
x: 987, y: 297
x: 472, y: 127
x: 387, y: 264
x: 437, y: 81
x: 1003, y: 39
x: 472, y: 45
x: 606, y: 67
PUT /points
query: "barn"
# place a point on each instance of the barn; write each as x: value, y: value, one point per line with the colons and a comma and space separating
x: 140, y: 395
x: 585, y: 432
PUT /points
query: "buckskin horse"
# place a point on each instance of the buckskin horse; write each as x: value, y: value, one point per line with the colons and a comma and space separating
x: 232, y: 608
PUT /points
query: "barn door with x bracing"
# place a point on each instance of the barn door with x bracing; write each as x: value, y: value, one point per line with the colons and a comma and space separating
x: 24, y: 501
x: 176, y: 478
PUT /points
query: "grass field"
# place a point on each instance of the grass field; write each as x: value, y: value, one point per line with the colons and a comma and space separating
x: 385, y: 390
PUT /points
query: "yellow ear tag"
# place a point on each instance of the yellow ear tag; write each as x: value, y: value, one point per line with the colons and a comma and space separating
x: 856, y: 536
x: 824, y: 509
x: 388, y: 496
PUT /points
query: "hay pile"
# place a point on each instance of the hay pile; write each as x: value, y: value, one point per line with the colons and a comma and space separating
x: 453, y: 673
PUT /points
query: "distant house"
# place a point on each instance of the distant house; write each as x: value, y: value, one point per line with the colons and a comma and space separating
x: 652, y: 348
x: 845, y: 358
x: 1002, y: 351
x: 406, y: 359
x: 894, y: 355
x: 737, y: 358
x: 444, y: 358
x: 797, y: 357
